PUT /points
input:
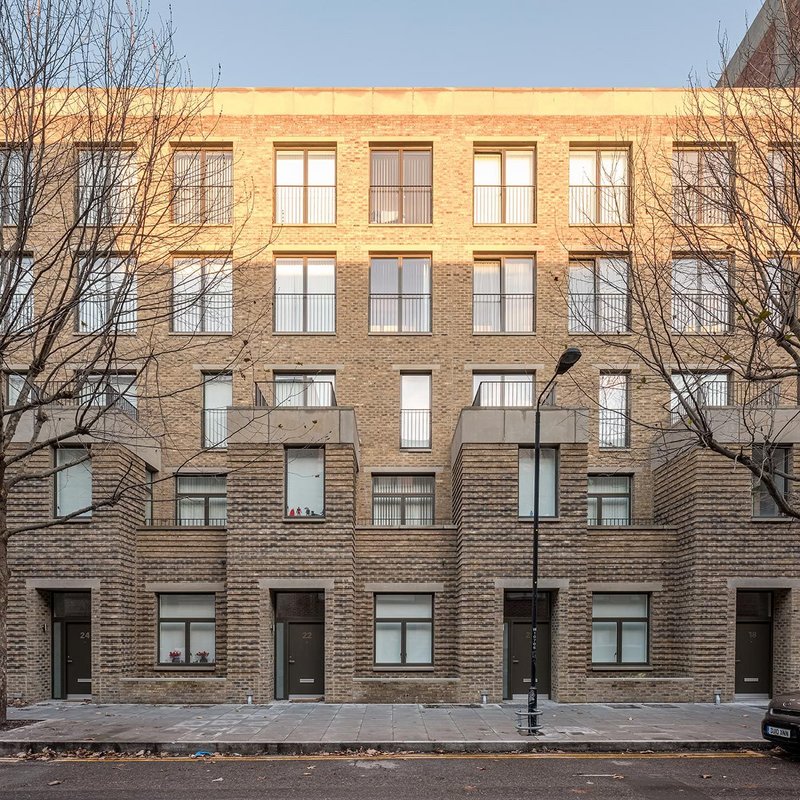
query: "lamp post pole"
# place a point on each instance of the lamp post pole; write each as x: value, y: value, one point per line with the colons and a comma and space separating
x: 530, y: 720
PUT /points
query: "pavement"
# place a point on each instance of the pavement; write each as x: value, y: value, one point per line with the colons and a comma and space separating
x: 291, y: 728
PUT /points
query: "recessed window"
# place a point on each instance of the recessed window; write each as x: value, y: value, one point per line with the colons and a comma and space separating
x: 504, y: 191
x: 400, y: 186
x: 304, y: 389
x: 305, y: 186
x: 17, y: 272
x: 202, y: 295
x: 217, y: 399
x: 609, y: 500
x: 403, y: 500
x: 702, y: 182
x: 403, y: 630
x: 305, y: 482
x: 11, y: 174
x: 614, y: 410
x: 598, y: 295
x: 503, y: 295
x: 305, y: 295
x: 701, y: 301
x: 415, y: 411
x: 548, y: 476
x: 186, y: 629
x: 776, y: 463
x: 202, y: 500
x: 108, y: 295
x: 620, y: 629
x: 106, y: 186
x: 203, y: 191
x: 400, y: 294
x: 73, y: 482
x: 503, y: 389
x: 599, y: 187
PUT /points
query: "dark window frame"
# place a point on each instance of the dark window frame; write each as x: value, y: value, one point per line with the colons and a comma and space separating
x: 309, y: 517
x: 619, y: 623
x: 557, y: 504
x: 187, y: 621
x: 102, y: 206
x: 626, y: 412
x: 500, y: 260
x: 210, y: 377
x: 594, y: 259
x: 208, y: 521
x: 401, y: 185
x: 502, y: 151
x: 305, y: 257
x: 597, y: 520
x: 681, y: 189
x: 60, y: 469
x: 403, y: 631
x: 598, y: 150
x: 403, y: 497
x: 208, y: 275
x: 428, y: 410
x: 305, y: 186
x: 760, y: 494
x: 400, y: 259
x: 203, y: 186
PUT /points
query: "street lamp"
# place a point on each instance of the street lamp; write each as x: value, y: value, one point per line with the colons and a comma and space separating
x: 528, y: 721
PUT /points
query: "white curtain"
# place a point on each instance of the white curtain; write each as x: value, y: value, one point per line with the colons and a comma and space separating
x: 548, y: 474
x: 289, y: 182
x: 305, y: 482
x: 321, y: 189
x: 487, y: 180
x: 188, y: 187
x: 289, y: 295
x: 219, y: 187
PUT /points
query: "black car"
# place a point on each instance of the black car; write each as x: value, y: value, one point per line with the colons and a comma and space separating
x: 781, y: 724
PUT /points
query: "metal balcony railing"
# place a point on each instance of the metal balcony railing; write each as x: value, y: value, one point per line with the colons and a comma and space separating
x: 598, y: 313
x: 185, y: 522
x: 95, y: 396
x: 298, y: 205
x: 504, y: 313
x: 215, y: 427
x: 10, y: 197
x: 614, y: 430
x: 704, y: 204
x: 733, y: 394
x: 211, y: 312
x: 99, y: 310
x: 400, y: 313
x: 300, y: 393
x: 509, y: 394
x: 625, y: 522
x: 504, y: 205
x: 305, y: 313
x: 599, y: 205
x: 415, y: 428
x: 20, y: 312
x: 400, y: 205
x: 701, y: 312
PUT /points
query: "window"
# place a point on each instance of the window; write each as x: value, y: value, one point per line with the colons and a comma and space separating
x: 305, y: 482
x: 186, y: 629
x: 305, y: 187
x: 73, y: 482
x: 202, y: 295
x: 16, y: 287
x: 400, y: 186
x: 503, y: 296
x: 106, y: 186
x: 403, y: 630
x: 504, y: 187
x: 108, y: 295
x: 548, y: 475
x: 503, y: 389
x: 400, y: 294
x: 11, y: 173
x: 112, y: 390
x: 620, y: 625
x: 147, y: 491
x: 702, y: 182
x: 609, y: 500
x: 203, y: 187
x: 598, y: 295
x: 599, y: 187
x: 305, y: 295
x: 217, y: 398
x: 202, y: 500
x: 402, y: 500
x: 613, y: 402
x: 415, y: 411
x: 15, y: 383
x: 697, y: 391
x: 775, y: 462
x: 779, y: 186
x: 305, y: 389
x: 700, y: 298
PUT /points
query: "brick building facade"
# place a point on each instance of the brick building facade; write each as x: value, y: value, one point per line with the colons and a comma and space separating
x: 367, y: 537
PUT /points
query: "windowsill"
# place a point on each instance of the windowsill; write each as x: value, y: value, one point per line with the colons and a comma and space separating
x: 774, y: 520
x: 400, y: 225
x: 201, y: 224
x: 621, y: 668
x: 504, y: 333
x: 173, y: 527
x: 416, y: 449
x: 600, y: 224
x: 400, y: 333
x: 504, y: 224
x: 626, y: 449
x: 302, y: 519
x: 304, y: 333
x: 541, y: 519
x: 74, y: 520
x: 425, y: 668
x: 184, y: 667
x: 304, y: 224
x: 201, y: 333
x: 595, y: 334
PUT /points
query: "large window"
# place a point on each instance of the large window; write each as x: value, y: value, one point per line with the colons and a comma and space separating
x: 503, y: 295
x: 16, y: 287
x: 217, y: 398
x: 305, y: 295
x: 781, y: 183
x: 692, y: 391
x: 400, y: 294
x: 305, y: 187
x: 400, y: 186
x: 702, y: 180
x: 11, y: 174
x: 305, y: 389
x: 620, y: 624
x: 202, y: 500
x: 614, y: 410
x: 305, y: 482
x: 73, y: 482
x: 202, y: 295
x: 774, y: 462
x: 186, y: 629
x: 599, y: 187
x: 403, y: 630
x: 598, y: 295
x: 203, y: 187
x: 402, y: 500
x: 503, y: 389
x: 106, y: 186
x: 504, y: 187
x: 108, y: 295
x: 548, y: 477
x: 415, y: 411
x: 609, y: 500
x: 700, y: 296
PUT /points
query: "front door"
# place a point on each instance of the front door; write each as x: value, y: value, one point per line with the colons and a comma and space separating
x: 306, y: 658
x: 78, y: 658
x: 753, y: 642
x: 520, y: 657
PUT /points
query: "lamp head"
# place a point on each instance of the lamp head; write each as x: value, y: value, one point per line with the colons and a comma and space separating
x: 568, y: 359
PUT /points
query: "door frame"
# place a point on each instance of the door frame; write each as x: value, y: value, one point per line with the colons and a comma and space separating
x: 287, y: 665
x: 508, y: 638
x: 62, y: 623
x: 769, y: 623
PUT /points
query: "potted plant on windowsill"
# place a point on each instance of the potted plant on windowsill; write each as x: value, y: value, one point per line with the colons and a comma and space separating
x: 202, y: 656
x: 175, y: 656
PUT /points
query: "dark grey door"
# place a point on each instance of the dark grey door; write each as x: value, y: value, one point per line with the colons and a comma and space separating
x: 306, y: 658
x: 520, y: 656
x: 78, y: 658
x: 753, y: 657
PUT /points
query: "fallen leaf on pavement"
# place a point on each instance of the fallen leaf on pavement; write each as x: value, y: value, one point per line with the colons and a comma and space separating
x: 54, y: 783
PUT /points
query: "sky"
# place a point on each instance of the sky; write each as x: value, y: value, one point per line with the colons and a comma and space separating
x: 454, y: 42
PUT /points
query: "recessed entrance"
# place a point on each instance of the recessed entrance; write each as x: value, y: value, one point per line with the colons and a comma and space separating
x: 72, y: 645
x: 517, y: 643
x: 753, y: 643
x: 299, y: 645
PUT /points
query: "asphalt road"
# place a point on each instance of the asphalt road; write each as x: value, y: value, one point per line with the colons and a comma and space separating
x: 397, y: 778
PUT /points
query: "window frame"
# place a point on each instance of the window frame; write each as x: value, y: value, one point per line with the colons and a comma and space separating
x: 208, y: 275
x: 502, y: 151
x: 207, y: 496
x: 210, y: 377
x: 126, y: 320
x: 504, y: 379
x: 203, y: 188
x: 102, y: 211
x: 403, y: 663
x: 429, y: 424
x: 599, y: 150
x: 597, y: 520
x: 557, y: 489
x: 286, y: 510
x: 681, y: 189
x: 759, y: 492
x: 305, y: 149
x: 500, y: 259
x: 692, y: 304
x: 9, y: 211
x: 60, y: 471
x: 616, y: 413
x: 403, y: 497
x: 187, y: 622
x: 580, y: 260
x: 334, y: 295
x: 400, y: 259
x: 306, y: 380
x: 618, y: 663
x: 401, y: 185
x: 677, y: 413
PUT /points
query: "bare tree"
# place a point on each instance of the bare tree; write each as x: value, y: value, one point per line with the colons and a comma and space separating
x: 92, y: 98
